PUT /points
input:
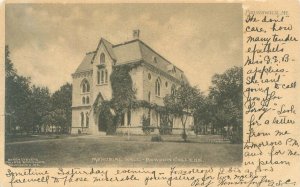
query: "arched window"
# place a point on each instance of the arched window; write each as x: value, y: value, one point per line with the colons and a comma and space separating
x: 87, y: 101
x: 106, y: 76
x: 87, y: 119
x: 83, y: 100
x: 154, y: 59
x: 173, y: 89
x: 102, y: 58
x: 149, y: 76
x: 82, y: 119
x: 157, y: 87
x: 85, y: 86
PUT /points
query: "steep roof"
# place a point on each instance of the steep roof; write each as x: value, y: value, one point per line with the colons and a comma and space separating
x: 85, y: 64
x: 132, y: 51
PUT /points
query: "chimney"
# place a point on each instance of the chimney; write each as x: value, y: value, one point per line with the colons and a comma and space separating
x: 136, y: 34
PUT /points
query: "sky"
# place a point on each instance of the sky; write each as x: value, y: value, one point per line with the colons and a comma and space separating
x: 48, y: 42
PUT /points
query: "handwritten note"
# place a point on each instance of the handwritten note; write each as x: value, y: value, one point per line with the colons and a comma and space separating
x: 269, y: 39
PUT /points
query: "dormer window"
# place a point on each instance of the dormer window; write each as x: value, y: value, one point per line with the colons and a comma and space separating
x: 102, y: 58
x: 154, y: 59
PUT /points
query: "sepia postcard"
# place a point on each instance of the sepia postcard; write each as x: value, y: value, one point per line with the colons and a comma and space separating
x: 150, y: 94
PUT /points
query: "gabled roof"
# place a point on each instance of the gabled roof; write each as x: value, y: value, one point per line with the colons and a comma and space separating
x: 132, y: 51
x: 85, y: 64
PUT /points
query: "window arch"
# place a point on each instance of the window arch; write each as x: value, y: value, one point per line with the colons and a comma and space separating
x: 87, y: 100
x: 83, y: 100
x: 82, y: 119
x: 157, y: 87
x: 102, y: 58
x: 85, y: 86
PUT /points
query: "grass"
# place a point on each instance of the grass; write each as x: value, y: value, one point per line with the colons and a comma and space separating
x: 138, y: 151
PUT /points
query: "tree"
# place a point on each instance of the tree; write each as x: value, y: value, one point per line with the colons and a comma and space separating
x: 182, y: 103
x: 227, y: 94
x: 61, y: 113
x: 40, y: 105
x: 17, y: 98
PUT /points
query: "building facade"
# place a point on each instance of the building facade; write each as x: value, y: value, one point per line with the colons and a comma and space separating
x: 153, y: 79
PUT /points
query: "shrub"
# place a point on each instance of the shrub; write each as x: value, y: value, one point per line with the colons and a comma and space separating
x: 156, y: 138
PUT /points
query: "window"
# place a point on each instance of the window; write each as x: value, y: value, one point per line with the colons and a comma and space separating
x: 154, y: 59
x: 157, y: 87
x: 122, y: 119
x: 85, y: 86
x: 102, y: 58
x: 83, y: 100
x: 102, y: 77
x: 82, y: 119
x: 87, y: 120
x: 149, y: 97
x: 106, y: 76
x: 98, y: 77
x: 173, y: 89
x: 166, y: 84
x: 149, y: 76
x: 87, y: 101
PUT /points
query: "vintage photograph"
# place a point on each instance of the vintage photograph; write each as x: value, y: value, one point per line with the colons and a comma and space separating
x: 123, y: 85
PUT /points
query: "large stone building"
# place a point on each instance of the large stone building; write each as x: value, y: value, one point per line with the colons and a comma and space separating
x: 153, y: 79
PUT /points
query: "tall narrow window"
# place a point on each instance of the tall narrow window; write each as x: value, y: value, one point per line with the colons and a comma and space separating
x: 98, y: 77
x: 87, y: 101
x: 85, y: 86
x: 87, y: 119
x: 106, y: 76
x: 149, y: 97
x: 83, y: 100
x: 102, y: 58
x: 122, y: 119
x: 173, y: 89
x: 157, y: 87
x: 82, y: 119
x: 102, y: 77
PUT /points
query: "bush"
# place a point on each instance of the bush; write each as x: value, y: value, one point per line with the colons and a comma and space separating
x: 156, y: 138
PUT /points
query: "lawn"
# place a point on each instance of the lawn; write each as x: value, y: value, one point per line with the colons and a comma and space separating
x: 135, y: 151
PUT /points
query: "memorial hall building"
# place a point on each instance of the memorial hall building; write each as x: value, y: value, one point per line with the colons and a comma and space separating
x: 152, y: 80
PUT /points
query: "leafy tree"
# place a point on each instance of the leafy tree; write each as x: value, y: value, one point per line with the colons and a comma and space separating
x: 40, y: 106
x: 61, y: 113
x: 17, y: 98
x: 182, y: 103
x: 227, y: 94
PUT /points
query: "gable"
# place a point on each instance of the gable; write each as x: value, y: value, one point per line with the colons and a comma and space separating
x: 106, y: 46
